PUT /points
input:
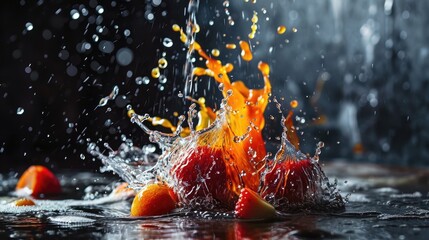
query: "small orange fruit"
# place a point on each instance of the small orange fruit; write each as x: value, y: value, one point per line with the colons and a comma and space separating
x: 155, y: 199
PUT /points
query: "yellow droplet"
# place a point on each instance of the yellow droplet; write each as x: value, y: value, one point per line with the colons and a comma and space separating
x: 176, y: 114
x: 215, y: 52
x: 162, y: 63
x: 281, y: 29
x: 183, y: 37
x: 196, y: 28
x: 294, y: 30
x: 254, y: 27
x: 255, y: 18
x: 155, y: 72
x: 251, y: 35
x: 294, y: 103
x: 176, y: 27
x: 130, y: 113
x: 231, y: 46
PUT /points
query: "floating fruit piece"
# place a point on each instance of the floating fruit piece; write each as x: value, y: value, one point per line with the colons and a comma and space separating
x: 289, y: 181
x: 251, y: 206
x: 122, y: 190
x: 154, y: 199
x: 36, y: 181
x: 200, y: 176
x: 23, y: 202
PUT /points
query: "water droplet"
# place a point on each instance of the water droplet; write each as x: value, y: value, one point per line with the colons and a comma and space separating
x: 29, y: 26
x: 167, y: 42
x: 146, y: 80
x: 162, y: 79
x: 20, y: 111
x: 71, y: 70
x: 124, y: 56
x: 139, y: 80
x: 74, y: 14
x: 99, y: 9
x: 127, y: 32
x: 106, y: 46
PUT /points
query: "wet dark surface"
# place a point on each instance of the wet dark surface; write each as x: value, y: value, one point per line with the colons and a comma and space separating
x: 384, y: 203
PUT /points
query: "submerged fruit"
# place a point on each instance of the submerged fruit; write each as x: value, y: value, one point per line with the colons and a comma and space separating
x: 290, y: 181
x: 154, y: 199
x: 251, y: 206
x: 37, y: 181
x: 201, y: 177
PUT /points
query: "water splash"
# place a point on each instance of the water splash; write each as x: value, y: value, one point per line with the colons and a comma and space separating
x: 208, y: 164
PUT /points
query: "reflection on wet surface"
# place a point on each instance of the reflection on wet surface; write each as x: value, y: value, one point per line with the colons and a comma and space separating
x: 383, y: 203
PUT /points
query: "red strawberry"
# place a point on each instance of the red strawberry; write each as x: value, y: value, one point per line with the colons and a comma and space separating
x: 251, y: 206
x: 290, y: 181
x: 202, y: 175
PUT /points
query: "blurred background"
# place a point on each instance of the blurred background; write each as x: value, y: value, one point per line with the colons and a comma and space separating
x: 359, y: 70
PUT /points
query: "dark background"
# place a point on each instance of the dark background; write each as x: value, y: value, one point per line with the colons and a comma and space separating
x: 372, y: 57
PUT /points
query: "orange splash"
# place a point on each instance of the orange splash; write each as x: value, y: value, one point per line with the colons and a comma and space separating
x: 246, y: 53
x: 239, y: 137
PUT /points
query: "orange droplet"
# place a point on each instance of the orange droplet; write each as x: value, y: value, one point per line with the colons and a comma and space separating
x: 291, y: 133
x: 294, y: 103
x: 246, y: 54
x: 358, y: 148
x: 154, y: 199
x: 155, y: 72
x: 231, y: 46
x: 229, y: 67
x: 24, y: 202
x: 264, y: 68
x: 281, y: 29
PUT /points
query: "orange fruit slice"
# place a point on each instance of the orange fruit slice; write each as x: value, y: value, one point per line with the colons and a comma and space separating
x: 37, y: 181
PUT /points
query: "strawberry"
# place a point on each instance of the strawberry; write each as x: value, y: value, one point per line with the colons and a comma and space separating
x: 201, y: 175
x: 290, y: 181
x: 251, y: 206
x: 37, y: 181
